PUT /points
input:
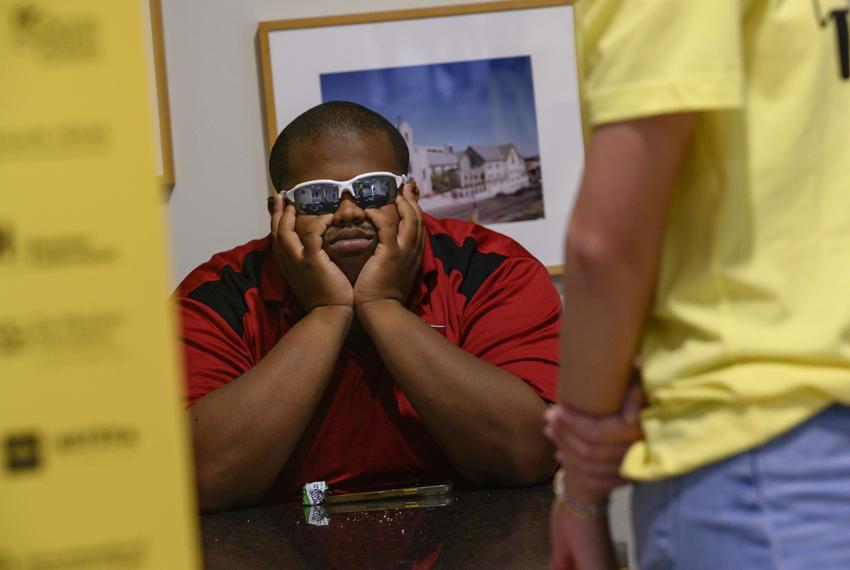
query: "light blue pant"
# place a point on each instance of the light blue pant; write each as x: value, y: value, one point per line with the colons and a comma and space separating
x: 782, y: 506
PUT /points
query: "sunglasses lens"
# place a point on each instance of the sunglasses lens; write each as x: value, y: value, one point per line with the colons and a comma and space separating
x: 317, y: 199
x: 374, y: 191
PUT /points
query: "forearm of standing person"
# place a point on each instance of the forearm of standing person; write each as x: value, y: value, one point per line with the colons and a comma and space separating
x: 612, y: 254
x: 488, y: 421
x: 244, y: 432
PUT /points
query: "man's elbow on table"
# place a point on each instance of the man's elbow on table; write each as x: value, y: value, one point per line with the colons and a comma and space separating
x: 219, y: 486
x: 534, y: 468
x: 523, y: 462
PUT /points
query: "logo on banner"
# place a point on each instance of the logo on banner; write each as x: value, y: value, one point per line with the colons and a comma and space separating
x: 53, y: 251
x: 104, y: 438
x: 54, y: 37
x: 23, y: 452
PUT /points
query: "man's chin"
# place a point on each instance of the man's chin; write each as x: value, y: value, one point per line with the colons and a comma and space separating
x: 351, y: 263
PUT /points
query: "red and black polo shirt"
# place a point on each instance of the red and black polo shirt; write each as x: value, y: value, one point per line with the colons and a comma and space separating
x: 480, y: 289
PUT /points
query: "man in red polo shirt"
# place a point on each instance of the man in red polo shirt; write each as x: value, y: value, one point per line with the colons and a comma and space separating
x: 363, y: 342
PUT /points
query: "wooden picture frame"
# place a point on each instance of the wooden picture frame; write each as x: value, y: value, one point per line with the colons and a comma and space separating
x: 159, y: 95
x: 304, y: 61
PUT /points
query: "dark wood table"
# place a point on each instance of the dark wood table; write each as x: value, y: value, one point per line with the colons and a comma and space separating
x: 479, y: 529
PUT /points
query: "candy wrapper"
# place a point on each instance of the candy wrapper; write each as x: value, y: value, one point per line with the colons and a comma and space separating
x: 314, y: 493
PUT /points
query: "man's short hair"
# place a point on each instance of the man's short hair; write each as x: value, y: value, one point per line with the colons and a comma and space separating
x: 333, y: 117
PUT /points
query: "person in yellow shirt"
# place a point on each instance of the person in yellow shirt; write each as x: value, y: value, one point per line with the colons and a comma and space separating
x: 711, y: 235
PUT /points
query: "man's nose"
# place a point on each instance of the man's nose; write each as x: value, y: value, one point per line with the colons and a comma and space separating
x: 349, y: 212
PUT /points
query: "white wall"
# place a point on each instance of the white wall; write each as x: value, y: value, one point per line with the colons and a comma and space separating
x: 219, y: 200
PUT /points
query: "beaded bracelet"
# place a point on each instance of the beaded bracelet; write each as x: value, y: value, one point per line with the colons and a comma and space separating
x: 574, y: 507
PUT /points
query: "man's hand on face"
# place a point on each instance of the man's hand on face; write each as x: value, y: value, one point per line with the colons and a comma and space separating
x: 394, y: 267
x: 313, y: 277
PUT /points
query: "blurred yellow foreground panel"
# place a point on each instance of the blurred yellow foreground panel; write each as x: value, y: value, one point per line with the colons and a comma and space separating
x: 94, y: 469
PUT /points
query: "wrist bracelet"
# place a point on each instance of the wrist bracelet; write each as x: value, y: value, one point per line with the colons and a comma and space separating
x: 572, y: 506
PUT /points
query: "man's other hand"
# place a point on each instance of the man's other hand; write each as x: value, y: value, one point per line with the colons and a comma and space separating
x: 394, y: 267
x: 306, y: 267
x: 591, y: 448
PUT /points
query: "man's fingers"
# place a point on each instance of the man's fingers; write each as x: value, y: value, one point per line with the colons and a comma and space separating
x: 411, y: 193
x: 552, y: 413
x: 571, y: 447
x: 387, y: 233
x: 412, y: 196
x: 597, y: 430
x: 285, y: 233
x: 285, y: 238
x: 554, y: 426
x: 410, y: 221
x: 593, y: 452
x: 275, y: 207
x: 314, y: 235
x: 288, y: 218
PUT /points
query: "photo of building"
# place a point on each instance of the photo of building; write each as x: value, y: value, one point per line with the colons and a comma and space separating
x: 472, y: 135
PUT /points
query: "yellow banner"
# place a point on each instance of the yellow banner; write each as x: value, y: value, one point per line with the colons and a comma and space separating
x: 94, y: 469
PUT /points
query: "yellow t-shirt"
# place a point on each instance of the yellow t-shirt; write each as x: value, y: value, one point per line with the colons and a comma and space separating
x: 750, y: 331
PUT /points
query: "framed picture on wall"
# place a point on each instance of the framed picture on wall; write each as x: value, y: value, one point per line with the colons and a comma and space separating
x: 159, y: 94
x: 485, y: 95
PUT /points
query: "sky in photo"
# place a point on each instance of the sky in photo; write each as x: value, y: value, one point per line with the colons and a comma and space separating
x: 488, y: 101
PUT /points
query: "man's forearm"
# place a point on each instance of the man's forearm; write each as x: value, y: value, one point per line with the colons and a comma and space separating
x: 606, y: 305
x: 613, y: 252
x: 488, y: 421
x: 245, y: 431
